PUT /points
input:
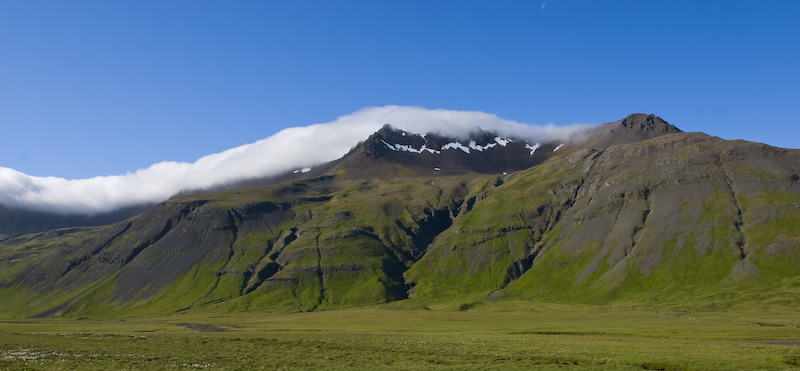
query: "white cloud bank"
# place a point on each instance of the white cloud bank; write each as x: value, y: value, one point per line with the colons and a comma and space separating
x: 289, y: 149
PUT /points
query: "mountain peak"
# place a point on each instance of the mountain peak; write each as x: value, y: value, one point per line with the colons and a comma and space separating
x: 634, y: 128
x: 391, y: 151
x: 644, y: 123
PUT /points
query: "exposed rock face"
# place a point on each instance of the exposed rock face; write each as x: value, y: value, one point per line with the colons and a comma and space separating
x: 639, y: 122
x: 634, y: 128
x: 667, y: 217
x: 433, y: 154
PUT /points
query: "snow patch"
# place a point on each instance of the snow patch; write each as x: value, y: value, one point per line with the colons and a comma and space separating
x: 409, y: 148
x: 480, y: 148
x: 303, y: 170
x: 436, y: 169
x: 502, y: 141
x: 431, y: 150
x: 455, y: 145
x: 390, y: 146
x: 559, y: 147
x: 533, y: 148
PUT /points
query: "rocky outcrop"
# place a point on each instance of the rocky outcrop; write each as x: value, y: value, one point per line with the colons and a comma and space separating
x: 393, y: 152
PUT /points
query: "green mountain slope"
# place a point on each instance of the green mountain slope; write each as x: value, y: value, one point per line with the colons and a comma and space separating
x: 639, y: 213
x: 680, y: 217
x: 317, y: 244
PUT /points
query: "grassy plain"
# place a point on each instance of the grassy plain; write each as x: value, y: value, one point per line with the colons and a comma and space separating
x: 507, y: 335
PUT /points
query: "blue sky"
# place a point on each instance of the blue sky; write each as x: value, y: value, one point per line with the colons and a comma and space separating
x: 92, y: 88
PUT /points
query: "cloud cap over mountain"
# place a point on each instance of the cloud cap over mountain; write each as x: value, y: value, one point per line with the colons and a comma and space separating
x: 289, y: 149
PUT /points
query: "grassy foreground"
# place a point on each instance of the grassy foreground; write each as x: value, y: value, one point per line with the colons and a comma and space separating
x: 523, y: 336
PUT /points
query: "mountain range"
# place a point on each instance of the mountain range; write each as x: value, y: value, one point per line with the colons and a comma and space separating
x: 632, y: 212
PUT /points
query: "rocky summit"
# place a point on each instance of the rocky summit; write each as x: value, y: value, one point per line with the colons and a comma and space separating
x: 633, y: 212
x: 432, y: 154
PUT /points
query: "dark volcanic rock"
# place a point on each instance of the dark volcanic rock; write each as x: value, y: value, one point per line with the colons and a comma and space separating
x: 634, y: 128
x: 393, y: 152
x: 640, y: 122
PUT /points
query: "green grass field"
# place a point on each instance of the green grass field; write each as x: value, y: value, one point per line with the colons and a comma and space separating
x: 511, y: 335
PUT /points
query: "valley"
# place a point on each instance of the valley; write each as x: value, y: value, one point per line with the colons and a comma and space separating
x: 514, y: 335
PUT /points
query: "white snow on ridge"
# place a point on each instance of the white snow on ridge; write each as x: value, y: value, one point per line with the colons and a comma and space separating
x: 474, y: 146
x: 479, y: 148
x: 455, y: 145
x: 303, y: 170
x: 431, y: 150
x: 502, y: 141
x: 559, y: 147
x: 409, y: 148
x: 533, y: 148
x: 390, y: 146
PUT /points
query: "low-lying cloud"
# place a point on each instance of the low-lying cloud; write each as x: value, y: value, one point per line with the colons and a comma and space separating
x: 289, y: 149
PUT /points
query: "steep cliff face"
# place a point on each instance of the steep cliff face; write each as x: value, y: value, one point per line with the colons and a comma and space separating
x: 641, y: 213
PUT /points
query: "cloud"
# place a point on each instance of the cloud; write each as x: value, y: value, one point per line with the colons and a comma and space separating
x: 289, y: 149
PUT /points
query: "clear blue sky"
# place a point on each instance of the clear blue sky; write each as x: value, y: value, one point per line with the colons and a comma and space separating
x: 104, y: 87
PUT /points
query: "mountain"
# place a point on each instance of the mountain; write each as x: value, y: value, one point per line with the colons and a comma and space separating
x: 635, y: 212
x: 634, y: 128
x: 482, y: 152
x: 391, y: 151
x: 18, y: 221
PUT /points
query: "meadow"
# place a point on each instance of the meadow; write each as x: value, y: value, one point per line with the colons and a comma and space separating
x: 487, y: 336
